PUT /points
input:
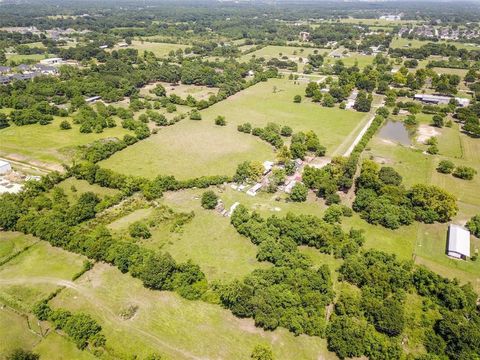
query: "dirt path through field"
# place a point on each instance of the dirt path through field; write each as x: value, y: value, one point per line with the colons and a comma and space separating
x: 107, y: 313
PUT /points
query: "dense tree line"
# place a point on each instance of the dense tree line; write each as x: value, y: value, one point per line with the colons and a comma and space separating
x: 381, y: 199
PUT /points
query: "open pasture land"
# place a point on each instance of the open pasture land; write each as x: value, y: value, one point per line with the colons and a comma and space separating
x: 47, y: 144
x: 11, y: 243
x: 398, y: 42
x: 351, y: 59
x: 190, y: 149
x: 160, y: 49
x: 18, y: 58
x: 167, y: 324
x: 379, y: 22
x: 182, y: 90
x: 273, y: 51
x: 260, y: 105
x: 35, y: 273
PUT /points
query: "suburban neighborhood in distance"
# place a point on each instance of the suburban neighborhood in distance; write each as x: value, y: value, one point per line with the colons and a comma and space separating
x: 248, y: 179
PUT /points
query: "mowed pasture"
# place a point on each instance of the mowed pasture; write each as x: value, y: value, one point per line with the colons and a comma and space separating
x: 167, y: 324
x: 189, y: 149
x: 272, y: 101
x: 159, y: 49
x: 46, y: 145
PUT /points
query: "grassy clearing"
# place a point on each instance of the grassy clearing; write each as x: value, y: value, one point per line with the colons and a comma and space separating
x: 198, y: 92
x: 33, y: 57
x: 168, y: 324
x: 12, y: 243
x: 208, y: 239
x: 353, y: 59
x: 259, y: 105
x: 14, y: 333
x: 414, y: 43
x: 35, y: 273
x: 82, y: 186
x: 158, y: 48
x: 47, y: 143
x: 57, y: 347
x: 189, y: 149
x: 292, y: 52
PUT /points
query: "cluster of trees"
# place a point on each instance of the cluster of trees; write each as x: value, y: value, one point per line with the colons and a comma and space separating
x: 469, y: 117
x: 272, y: 133
x: 41, y: 113
x: 304, y: 143
x: 382, y: 199
x: 474, y: 225
x: 461, y: 172
x: 248, y: 171
x: 151, y: 189
x: 292, y: 293
x: 81, y: 328
x: 371, y: 322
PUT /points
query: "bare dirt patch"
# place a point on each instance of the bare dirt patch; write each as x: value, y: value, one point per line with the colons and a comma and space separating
x: 425, y: 132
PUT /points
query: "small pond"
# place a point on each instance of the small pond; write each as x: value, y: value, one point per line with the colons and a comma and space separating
x: 395, y: 131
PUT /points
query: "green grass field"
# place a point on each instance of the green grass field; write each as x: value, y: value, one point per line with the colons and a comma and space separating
x: 174, y: 327
x: 35, y: 57
x: 12, y: 243
x: 259, y: 105
x: 198, y: 92
x: 47, y: 144
x: 414, y: 43
x: 58, y: 347
x: 35, y: 273
x: 189, y: 149
x: 14, y: 333
x: 158, y: 48
x: 352, y: 59
x: 272, y: 51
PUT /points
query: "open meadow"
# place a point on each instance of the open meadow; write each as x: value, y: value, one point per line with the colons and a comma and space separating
x: 158, y: 48
x: 47, y: 145
x: 165, y: 323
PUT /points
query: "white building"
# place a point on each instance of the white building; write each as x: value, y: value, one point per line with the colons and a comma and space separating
x: 253, y: 190
x: 440, y: 100
x: 267, y: 166
x: 458, y: 242
x: 4, y: 167
x: 51, y: 61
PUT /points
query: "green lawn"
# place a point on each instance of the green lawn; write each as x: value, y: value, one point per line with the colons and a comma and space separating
x: 353, y: 58
x: 12, y: 243
x: 14, y: 333
x: 158, y: 48
x: 35, y: 273
x: 47, y: 144
x: 259, y: 105
x: 175, y: 327
x: 57, y: 347
x: 35, y: 57
x: 190, y: 149
x: 414, y: 43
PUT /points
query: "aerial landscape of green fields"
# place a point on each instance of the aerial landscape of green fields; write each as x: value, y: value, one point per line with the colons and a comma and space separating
x: 228, y: 180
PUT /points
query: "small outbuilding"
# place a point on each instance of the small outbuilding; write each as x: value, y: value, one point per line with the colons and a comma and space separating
x: 458, y: 245
x: 4, y: 167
